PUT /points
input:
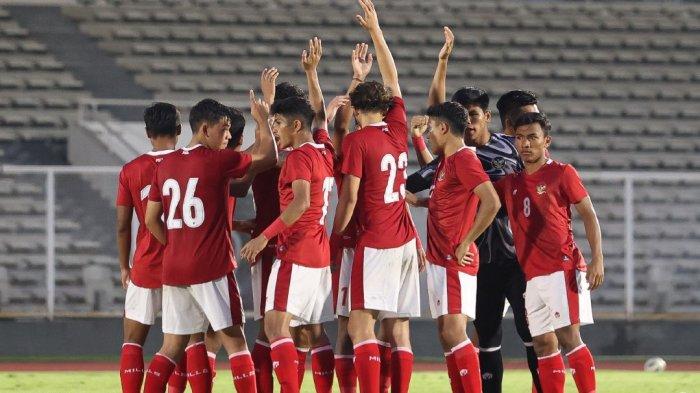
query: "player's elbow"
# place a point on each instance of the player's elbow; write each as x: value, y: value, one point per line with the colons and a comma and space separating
x: 152, y: 222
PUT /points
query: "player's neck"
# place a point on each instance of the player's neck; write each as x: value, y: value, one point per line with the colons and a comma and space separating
x: 483, y: 139
x: 452, y: 146
x: 532, y: 167
x: 196, y: 140
x: 160, y: 144
x: 301, y: 138
x: 366, y: 119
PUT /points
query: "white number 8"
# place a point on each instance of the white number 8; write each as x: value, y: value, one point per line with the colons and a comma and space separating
x: 526, y: 206
x: 192, y: 207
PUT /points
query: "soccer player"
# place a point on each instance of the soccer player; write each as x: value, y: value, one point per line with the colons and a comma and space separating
x: 512, y: 104
x: 461, y: 185
x: 199, y: 288
x: 557, y: 298
x: 142, y: 280
x: 500, y: 276
x: 384, y: 278
x: 300, y: 282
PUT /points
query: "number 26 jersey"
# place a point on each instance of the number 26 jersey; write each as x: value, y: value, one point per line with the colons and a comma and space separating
x: 193, y: 186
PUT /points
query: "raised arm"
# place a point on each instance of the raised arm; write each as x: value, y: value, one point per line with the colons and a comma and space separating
x: 309, y: 62
x: 595, y: 272
x: 264, y: 156
x: 268, y: 80
x: 346, y: 203
x: 419, y: 125
x: 436, y: 94
x: 387, y: 67
x: 361, y: 61
x: 153, y: 222
x: 124, y: 214
x: 489, y: 203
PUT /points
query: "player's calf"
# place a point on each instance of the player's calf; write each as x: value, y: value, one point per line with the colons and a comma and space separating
x: 580, y: 358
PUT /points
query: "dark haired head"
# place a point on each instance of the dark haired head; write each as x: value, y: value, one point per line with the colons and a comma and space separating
x: 513, y: 100
x: 532, y: 118
x: 468, y: 96
x: 162, y: 119
x: 207, y: 110
x: 371, y: 97
x: 237, y: 126
x: 294, y: 108
x: 453, y: 114
x: 285, y: 90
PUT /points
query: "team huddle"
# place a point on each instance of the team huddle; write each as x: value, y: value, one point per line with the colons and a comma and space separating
x: 499, y: 233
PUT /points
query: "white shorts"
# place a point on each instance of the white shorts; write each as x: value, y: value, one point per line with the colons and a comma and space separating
x: 557, y: 300
x: 304, y: 292
x: 450, y: 291
x: 191, y: 309
x: 142, y: 304
x: 259, y: 276
x: 340, y: 291
x: 386, y: 280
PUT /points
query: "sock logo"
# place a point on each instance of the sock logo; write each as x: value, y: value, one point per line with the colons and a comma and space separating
x: 132, y: 370
x: 323, y: 373
x: 239, y: 377
x: 560, y: 371
x: 463, y: 372
x: 375, y: 359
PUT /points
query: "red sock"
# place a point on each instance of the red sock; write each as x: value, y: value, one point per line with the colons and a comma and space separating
x: 552, y: 373
x: 131, y: 368
x: 453, y: 373
x: 198, y: 372
x: 583, y: 368
x: 158, y: 374
x: 212, y: 363
x: 284, y: 363
x: 385, y: 368
x: 401, y: 369
x: 301, y: 367
x: 322, y: 360
x: 345, y: 371
x: 367, y: 366
x: 243, y: 371
x: 177, y: 383
x: 467, y: 361
x: 263, y: 366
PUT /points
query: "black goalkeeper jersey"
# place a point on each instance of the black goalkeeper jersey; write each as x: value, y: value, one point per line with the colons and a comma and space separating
x: 499, y: 158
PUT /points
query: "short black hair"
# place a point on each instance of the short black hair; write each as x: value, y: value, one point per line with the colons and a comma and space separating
x: 532, y: 118
x: 237, y: 125
x: 162, y: 119
x: 297, y: 108
x: 207, y: 110
x: 286, y: 89
x: 472, y: 96
x: 514, y: 99
x: 372, y: 96
x: 452, y: 113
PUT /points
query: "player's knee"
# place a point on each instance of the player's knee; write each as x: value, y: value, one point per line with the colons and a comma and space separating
x: 569, y: 337
x: 451, y: 336
x: 545, y: 344
x: 275, y: 329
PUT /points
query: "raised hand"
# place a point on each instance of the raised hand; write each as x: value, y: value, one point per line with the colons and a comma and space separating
x: 268, y: 79
x: 369, y: 21
x: 446, y: 50
x: 335, y: 104
x: 419, y: 124
x: 311, y: 58
x: 361, y: 61
x: 259, y: 109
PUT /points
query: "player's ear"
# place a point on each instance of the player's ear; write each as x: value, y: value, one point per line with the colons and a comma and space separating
x: 547, y: 141
x: 298, y: 126
x: 487, y: 114
x: 178, y: 129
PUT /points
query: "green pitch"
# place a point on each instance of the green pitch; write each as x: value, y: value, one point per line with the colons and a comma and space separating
x: 516, y: 381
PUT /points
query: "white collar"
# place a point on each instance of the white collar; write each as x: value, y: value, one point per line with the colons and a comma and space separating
x: 159, y: 153
x: 379, y: 124
x: 316, y: 145
x: 192, y: 148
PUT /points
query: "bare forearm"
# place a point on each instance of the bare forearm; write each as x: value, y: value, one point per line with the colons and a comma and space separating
x: 436, y: 95
x: 423, y: 155
x: 293, y: 212
x: 485, y: 215
x: 593, y: 233
x: 157, y: 229
x: 343, y: 215
x: 124, y: 246
x: 387, y: 67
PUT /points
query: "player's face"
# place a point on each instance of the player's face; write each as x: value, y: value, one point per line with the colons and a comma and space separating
x: 218, y: 134
x: 478, y: 124
x: 437, y: 135
x: 283, y: 130
x: 531, y: 142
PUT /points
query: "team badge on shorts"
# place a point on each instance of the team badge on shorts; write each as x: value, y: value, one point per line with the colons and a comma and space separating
x: 556, y: 314
x: 541, y: 189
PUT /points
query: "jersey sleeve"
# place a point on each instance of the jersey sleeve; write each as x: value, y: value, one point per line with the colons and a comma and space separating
x: 154, y: 192
x: 572, y: 186
x: 470, y: 172
x: 352, y: 157
x: 321, y: 136
x: 298, y: 167
x: 123, y: 194
x: 422, y: 179
x: 396, y: 120
x: 233, y: 164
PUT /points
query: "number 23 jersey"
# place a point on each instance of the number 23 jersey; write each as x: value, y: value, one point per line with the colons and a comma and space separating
x: 193, y: 186
x: 378, y: 155
x: 539, y: 209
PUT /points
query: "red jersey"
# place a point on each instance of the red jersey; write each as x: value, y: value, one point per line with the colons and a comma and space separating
x: 267, y: 200
x: 452, y: 207
x: 539, y: 210
x: 193, y: 185
x: 378, y: 155
x: 132, y: 191
x: 306, y: 242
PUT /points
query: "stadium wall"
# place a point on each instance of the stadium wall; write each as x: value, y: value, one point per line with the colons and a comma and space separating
x: 102, y: 337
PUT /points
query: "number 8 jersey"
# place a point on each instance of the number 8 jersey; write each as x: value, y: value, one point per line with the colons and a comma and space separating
x: 193, y: 186
x: 377, y: 154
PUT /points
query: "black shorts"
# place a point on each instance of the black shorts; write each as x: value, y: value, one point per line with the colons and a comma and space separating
x: 495, y: 283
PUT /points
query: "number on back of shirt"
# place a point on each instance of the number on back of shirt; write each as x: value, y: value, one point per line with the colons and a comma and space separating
x: 389, y: 163
x: 192, y: 207
x: 327, y: 188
